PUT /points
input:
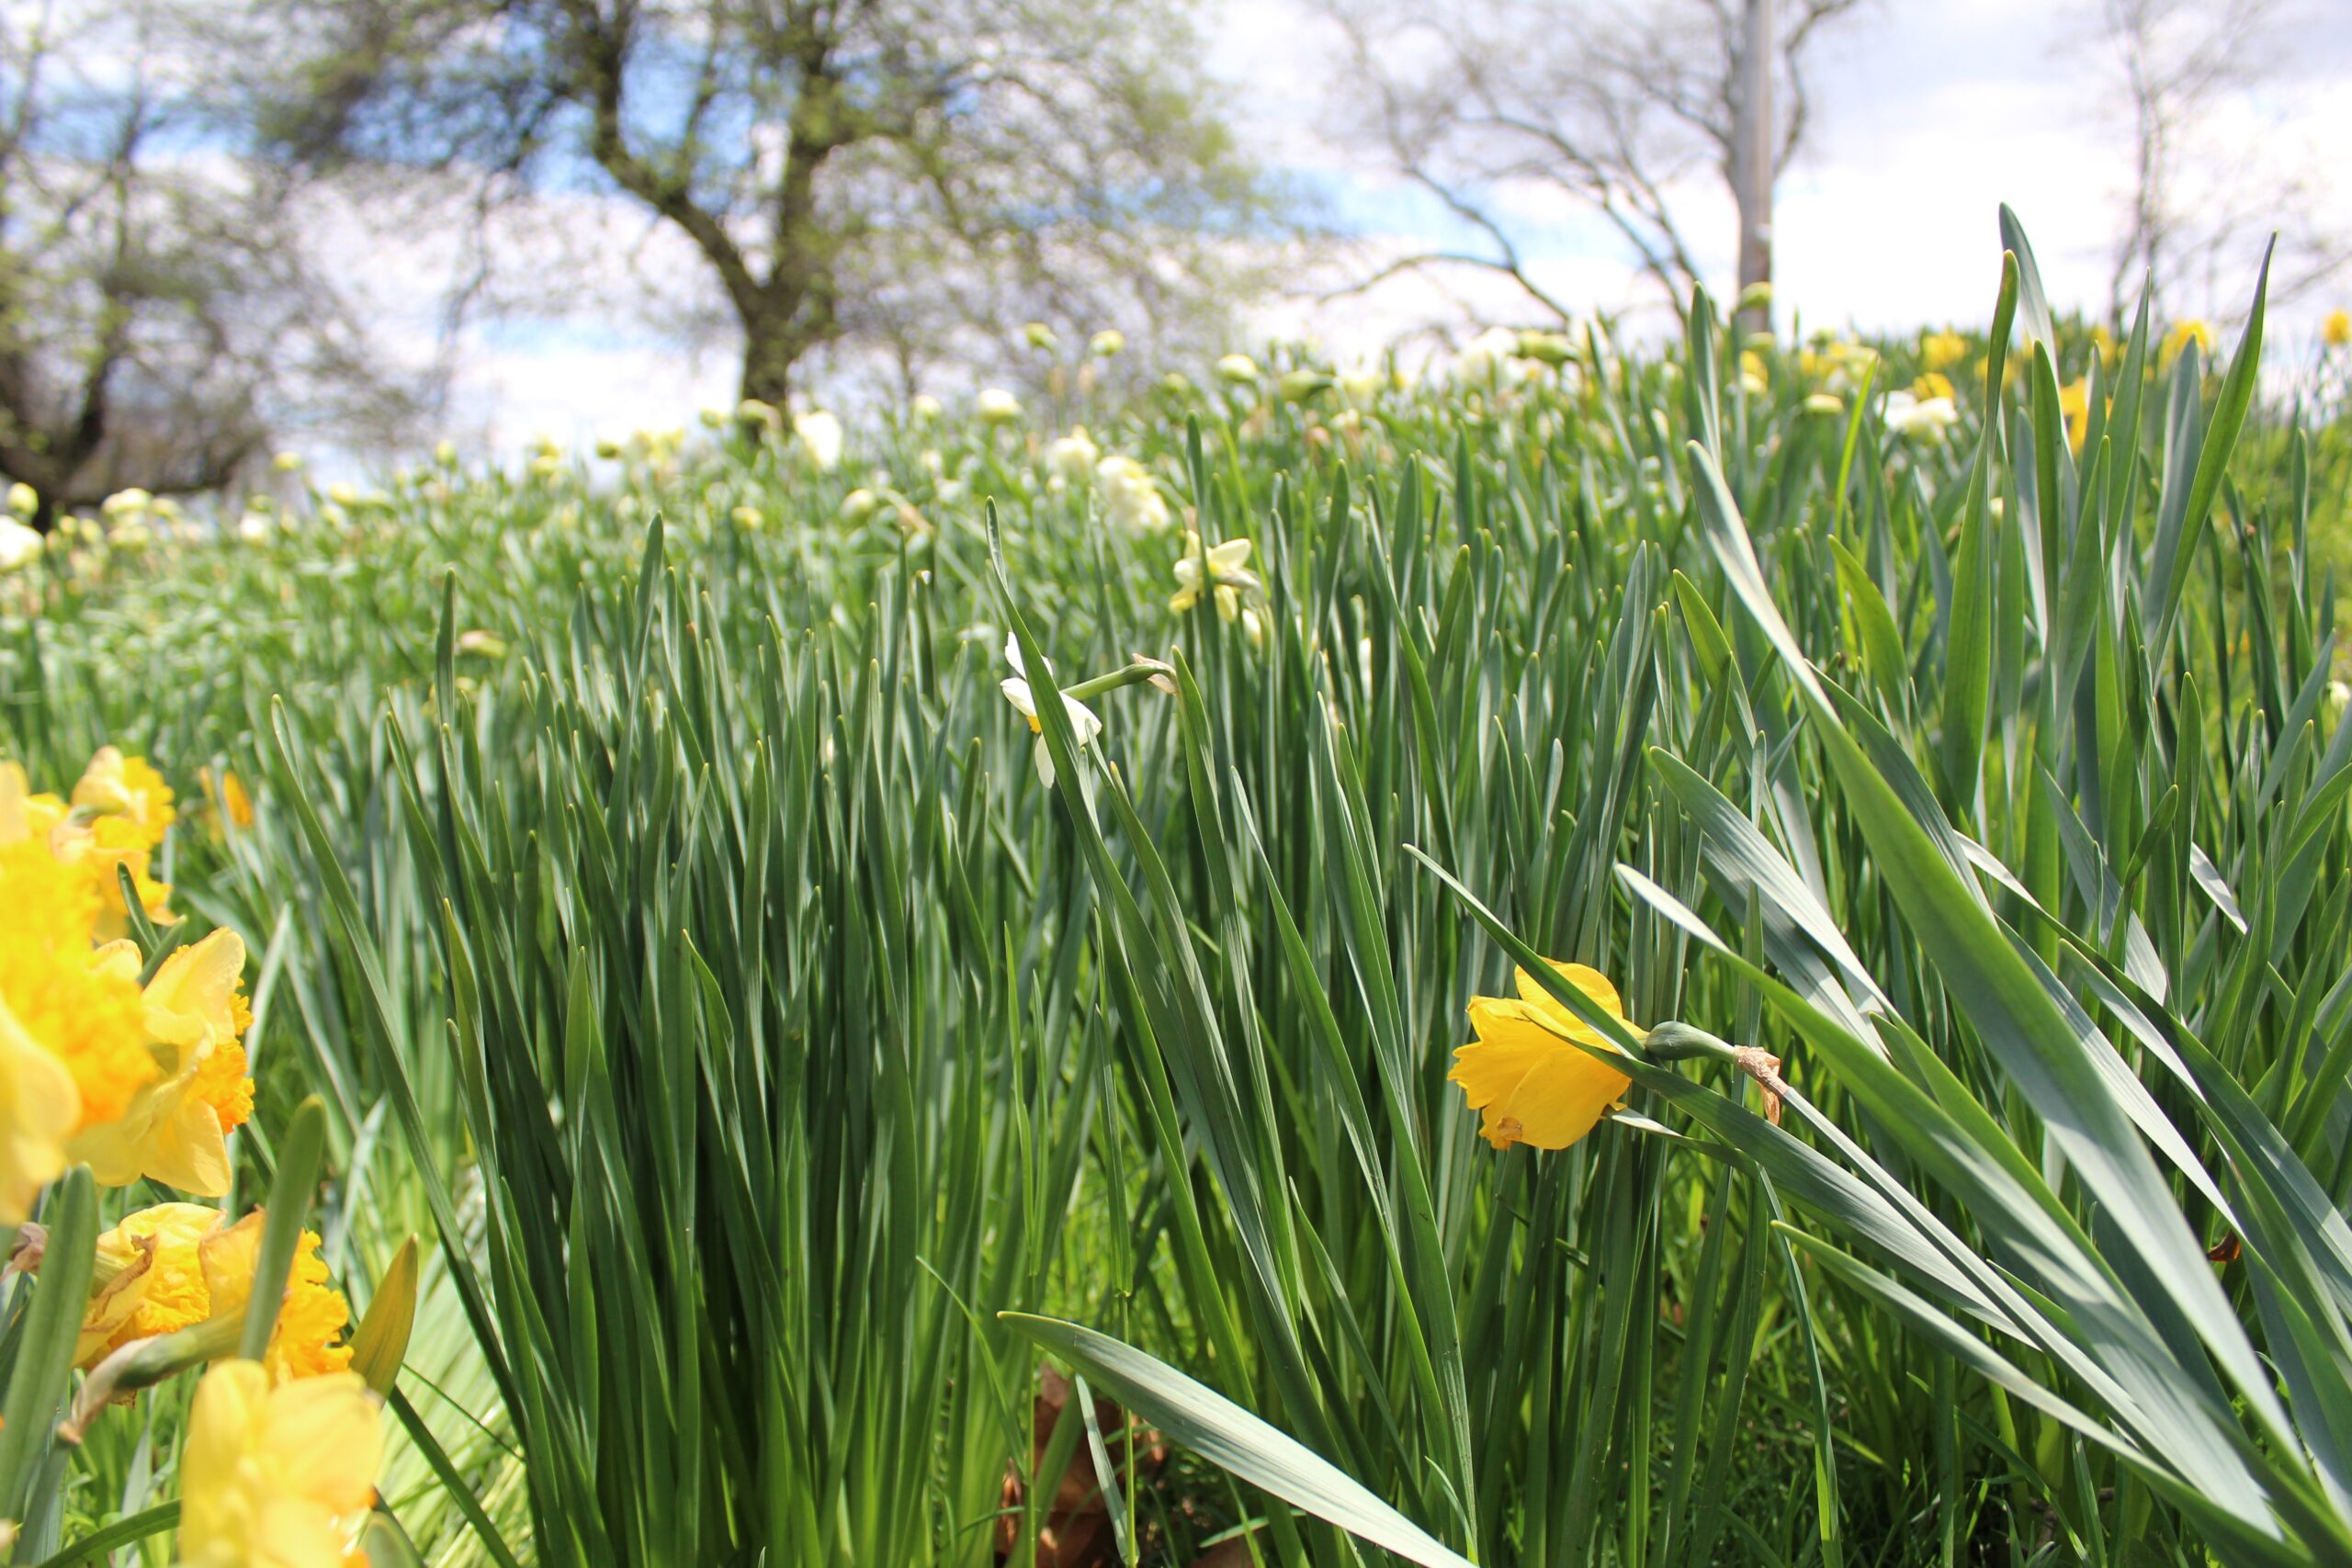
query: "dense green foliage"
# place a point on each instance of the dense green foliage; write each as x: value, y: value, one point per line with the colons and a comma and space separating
x: 650, y: 875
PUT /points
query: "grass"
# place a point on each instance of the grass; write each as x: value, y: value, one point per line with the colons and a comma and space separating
x: 651, y: 879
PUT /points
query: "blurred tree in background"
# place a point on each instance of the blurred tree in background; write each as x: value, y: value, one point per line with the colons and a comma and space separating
x: 913, y: 177
x: 161, y: 311
x: 1626, y: 111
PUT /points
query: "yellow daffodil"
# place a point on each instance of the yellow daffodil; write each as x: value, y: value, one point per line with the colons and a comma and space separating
x: 88, y: 1020
x: 2336, y: 329
x: 174, y: 1266
x: 1934, y: 384
x: 174, y: 1129
x: 226, y: 795
x: 39, y: 1104
x: 1526, y: 1076
x: 2180, y: 336
x: 1017, y: 692
x: 95, y: 847
x: 1201, y: 569
x: 2075, y: 403
x: 128, y: 787
x: 1940, y: 351
x: 149, y: 1279
x: 1751, y: 372
x: 277, y: 1476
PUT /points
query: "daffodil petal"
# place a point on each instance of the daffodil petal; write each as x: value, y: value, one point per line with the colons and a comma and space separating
x: 1530, y: 1083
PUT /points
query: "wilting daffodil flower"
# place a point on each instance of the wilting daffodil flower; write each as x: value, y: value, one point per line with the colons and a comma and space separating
x: 1525, y: 1073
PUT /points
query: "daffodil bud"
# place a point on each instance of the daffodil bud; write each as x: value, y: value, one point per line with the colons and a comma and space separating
x: 1041, y: 337
x: 998, y: 406
x: 1238, y: 369
x: 22, y: 500
x: 1109, y: 342
x: 1298, y: 386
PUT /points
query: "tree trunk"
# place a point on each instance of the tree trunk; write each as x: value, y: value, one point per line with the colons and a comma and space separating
x: 1751, y: 160
x: 771, y: 348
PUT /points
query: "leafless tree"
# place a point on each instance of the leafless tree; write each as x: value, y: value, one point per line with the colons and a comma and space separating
x: 160, y: 318
x: 849, y: 175
x: 1616, y: 105
x: 2201, y: 188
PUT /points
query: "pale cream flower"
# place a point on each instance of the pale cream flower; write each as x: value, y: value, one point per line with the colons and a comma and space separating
x: 1024, y: 701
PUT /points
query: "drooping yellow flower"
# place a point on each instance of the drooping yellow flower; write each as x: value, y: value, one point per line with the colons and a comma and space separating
x: 150, y: 1279
x: 2180, y: 336
x: 176, y: 1265
x: 1939, y: 352
x: 2336, y: 329
x: 1526, y: 1076
x: 127, y: 787
x: 1934, y: 384
x: 175, y: 1129
x: 277, y: 1476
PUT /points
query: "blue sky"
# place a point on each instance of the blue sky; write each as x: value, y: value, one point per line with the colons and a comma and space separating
x: 1926, y: 115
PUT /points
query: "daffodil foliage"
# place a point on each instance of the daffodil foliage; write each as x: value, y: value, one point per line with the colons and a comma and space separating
x: 1578, y: 953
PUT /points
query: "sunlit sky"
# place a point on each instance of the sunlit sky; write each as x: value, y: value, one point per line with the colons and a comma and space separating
x: 1926, y: 116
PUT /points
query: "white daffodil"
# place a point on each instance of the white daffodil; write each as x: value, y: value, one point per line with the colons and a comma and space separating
x: 1223, y: 568
x: 1024, y: 703
x: 1129, y: 498
x: 1926, y: 418
x: 1489, y: 357
x: 19, y: 546
x: 1070, y: 459
x: 819, y: 434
